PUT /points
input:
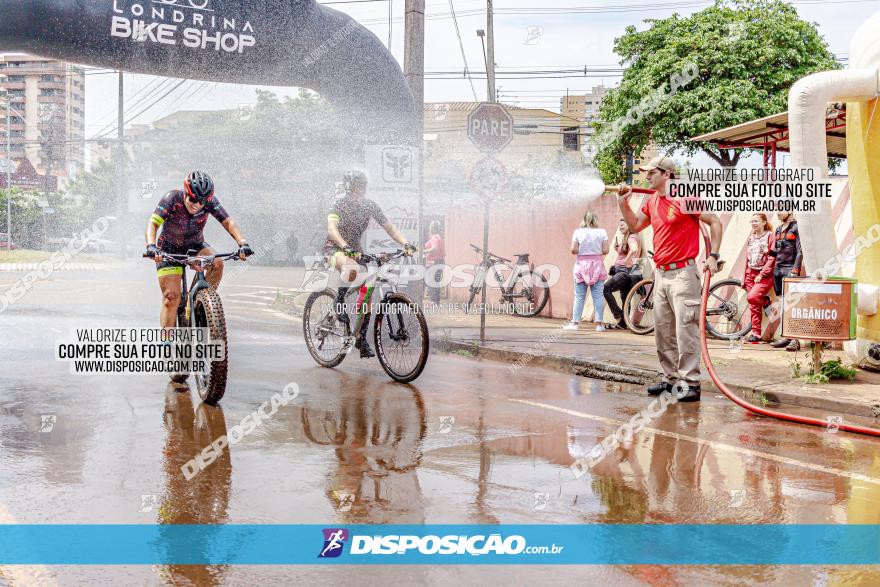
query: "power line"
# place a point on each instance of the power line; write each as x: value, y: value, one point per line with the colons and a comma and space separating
x: 461, y: 48
x: 134, y: 102
x: 181, y: 82
x: 605, y: 9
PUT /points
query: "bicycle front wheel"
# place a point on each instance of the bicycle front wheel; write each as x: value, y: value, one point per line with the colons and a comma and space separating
x: 529, y: 294
x: 728, y: 316
x: 207, y: 312
x: 401, y: 337
x: 638, y: 309
x: 325, y: 335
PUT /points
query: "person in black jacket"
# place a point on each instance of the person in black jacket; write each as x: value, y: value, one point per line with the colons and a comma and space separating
x: 789, y: 260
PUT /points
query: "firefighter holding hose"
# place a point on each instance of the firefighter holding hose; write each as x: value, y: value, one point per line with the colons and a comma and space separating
x: 677, y: 288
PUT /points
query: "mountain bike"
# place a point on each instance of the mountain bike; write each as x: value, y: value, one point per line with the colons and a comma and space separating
x: 400, y: 331
x: 727, y: 314
x: 524, y: 283
x: 200, y: 307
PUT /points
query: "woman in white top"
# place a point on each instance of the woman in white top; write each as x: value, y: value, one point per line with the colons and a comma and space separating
x: 590, y: 244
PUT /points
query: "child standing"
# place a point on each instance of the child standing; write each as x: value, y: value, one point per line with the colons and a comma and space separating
x: 759, y: 272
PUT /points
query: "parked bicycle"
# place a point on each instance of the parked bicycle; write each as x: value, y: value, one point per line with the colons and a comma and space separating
x: 201, y: 307
x: 400, y: 331
x: 727, y: 314
x: 526, y: 290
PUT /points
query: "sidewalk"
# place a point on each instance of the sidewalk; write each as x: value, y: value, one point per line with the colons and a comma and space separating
x: 758, y: 373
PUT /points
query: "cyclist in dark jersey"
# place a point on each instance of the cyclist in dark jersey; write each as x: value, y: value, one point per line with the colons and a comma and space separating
x: 346, y: 223
x: 182, y: 215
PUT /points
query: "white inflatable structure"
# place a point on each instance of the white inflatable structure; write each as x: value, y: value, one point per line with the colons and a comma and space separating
x: 859, y: 87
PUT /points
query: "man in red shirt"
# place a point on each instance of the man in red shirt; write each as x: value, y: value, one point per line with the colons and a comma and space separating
x: 677, y: 291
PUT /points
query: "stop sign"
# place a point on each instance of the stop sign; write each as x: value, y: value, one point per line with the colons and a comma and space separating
x: 490, y: 127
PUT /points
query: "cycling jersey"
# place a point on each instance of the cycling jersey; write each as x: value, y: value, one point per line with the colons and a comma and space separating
x: 181, y: 229
x: 353, y: 214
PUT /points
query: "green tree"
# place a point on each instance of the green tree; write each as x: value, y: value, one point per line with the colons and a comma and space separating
x: 746, y: 53
x: 87, y: 198
x: 26, y: 216
x: 278, y: 165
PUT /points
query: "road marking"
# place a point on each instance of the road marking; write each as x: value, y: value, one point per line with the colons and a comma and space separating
x: 280, y: 315
x: 253, y: 295
x: 236, y: 302
x: 710, y: 443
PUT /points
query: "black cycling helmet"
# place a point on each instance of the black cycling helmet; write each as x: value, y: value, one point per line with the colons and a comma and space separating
x: 199, y: 186
x: 352, y: 179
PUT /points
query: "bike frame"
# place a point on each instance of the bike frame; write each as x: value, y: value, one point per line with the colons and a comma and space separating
x: 188, y: 298
x: 363, y: 313
x: 198, y: 264
x: 516, y: 270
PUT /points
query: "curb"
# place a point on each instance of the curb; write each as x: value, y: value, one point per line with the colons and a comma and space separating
x: 639, y: 376
x: 571, y: 365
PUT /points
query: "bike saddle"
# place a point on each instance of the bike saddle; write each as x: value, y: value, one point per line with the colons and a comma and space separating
x: 261, y: 42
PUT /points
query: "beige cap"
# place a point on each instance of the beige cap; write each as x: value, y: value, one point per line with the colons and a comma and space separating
x: 663, y: 162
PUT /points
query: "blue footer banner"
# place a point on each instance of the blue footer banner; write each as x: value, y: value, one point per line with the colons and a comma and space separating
x: 685, y: 544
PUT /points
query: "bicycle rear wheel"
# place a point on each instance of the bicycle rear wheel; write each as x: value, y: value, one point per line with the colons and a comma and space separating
x: 638, y: 309
x: 207, y: 312
x: 728, y: 316
x: 530, y: 293
x: 325, y: 336
x: 401, y: 337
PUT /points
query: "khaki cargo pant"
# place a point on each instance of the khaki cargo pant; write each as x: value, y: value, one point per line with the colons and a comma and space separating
x: 677, y: 295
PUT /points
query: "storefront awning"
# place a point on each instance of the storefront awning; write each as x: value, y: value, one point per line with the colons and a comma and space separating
x: 770, y: 134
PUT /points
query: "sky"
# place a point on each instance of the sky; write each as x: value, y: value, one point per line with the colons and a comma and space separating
x: 526, y: 41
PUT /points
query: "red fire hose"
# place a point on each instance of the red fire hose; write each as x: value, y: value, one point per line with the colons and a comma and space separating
x: 704, y: 351
x: 704, y: 348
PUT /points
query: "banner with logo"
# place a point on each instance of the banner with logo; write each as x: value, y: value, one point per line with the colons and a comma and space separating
x: 393, y: 176
x: 630, y: 544
x: 299, y: 43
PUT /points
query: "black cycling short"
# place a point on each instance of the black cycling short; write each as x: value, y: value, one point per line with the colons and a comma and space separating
x: 169, y: 267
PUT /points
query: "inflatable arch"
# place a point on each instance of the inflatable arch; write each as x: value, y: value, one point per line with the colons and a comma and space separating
x: 266, y: 42
x: 859, y: 87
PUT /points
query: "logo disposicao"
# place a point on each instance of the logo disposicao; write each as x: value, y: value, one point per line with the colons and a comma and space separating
x: 334, y: 541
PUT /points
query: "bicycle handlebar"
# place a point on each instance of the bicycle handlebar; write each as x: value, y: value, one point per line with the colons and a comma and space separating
x: 490, y: 254
x: 193, y: 258
x: 379, y: 259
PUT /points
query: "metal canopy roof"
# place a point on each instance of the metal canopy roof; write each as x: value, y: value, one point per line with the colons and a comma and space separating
x: 771, y: 133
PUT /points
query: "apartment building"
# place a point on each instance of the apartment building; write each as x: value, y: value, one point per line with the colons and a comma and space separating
x: 47, y: 123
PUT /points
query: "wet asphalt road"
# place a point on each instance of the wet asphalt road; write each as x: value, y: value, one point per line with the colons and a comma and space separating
x: 468, y: 442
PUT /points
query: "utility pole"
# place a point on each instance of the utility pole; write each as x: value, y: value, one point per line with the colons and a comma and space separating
x: 490, y: 52
x: 414, y: 55
x: 491, y: 98
x: 120, y: 168
x: 414, y: 71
